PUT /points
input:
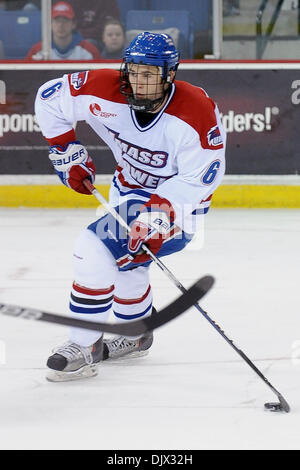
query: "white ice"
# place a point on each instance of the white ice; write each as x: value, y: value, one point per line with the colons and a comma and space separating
x: 192, y: 391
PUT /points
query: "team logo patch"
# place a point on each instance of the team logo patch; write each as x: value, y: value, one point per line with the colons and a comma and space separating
x: 96, y: 110
x: 214, y: 137
x: 78, y: 79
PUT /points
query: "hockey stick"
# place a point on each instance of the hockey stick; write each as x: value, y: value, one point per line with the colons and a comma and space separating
x: 282, y: 405
x: 133, y: 328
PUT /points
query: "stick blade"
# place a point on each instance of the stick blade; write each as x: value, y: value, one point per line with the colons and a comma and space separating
x: 284, y: 404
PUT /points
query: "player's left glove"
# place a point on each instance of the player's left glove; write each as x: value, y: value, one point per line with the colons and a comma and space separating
x: 151, y: 227
x: 73, y: 164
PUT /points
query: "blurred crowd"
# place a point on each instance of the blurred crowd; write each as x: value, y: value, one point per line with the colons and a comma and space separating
x: 81, y: 29
x: 101, y: 29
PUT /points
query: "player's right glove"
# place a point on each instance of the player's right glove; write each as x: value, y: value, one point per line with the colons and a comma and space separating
x: 151, y: 227
x: 73, y: 164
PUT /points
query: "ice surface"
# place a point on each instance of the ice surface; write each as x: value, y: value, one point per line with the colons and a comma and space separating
x: 192, y: 391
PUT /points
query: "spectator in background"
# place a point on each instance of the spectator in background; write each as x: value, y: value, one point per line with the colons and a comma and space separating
x: 67, y: 44
x: 91, y: 16
x: 113, y: 39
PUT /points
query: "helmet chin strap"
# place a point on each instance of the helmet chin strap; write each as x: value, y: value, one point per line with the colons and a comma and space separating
x: 145, y: 105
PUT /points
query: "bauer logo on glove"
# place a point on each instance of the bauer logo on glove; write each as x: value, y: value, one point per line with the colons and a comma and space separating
x: 81, y: 154
x: 73, y: 164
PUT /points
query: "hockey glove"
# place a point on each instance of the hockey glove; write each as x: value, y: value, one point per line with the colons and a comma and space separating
x: 73, y: 164
x: 151, y: 227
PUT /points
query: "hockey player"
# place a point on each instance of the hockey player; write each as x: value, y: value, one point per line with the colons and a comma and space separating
x: 169, y: 145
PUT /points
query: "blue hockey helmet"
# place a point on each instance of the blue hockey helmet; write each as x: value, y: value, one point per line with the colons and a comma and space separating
x: 152, y: 49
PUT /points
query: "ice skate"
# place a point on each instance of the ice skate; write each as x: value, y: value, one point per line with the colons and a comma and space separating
x: 121, y: 346
x: 72, y: 361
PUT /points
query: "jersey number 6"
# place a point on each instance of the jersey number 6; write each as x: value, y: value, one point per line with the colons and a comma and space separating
x: 51, y: 90
x: 211, y: 173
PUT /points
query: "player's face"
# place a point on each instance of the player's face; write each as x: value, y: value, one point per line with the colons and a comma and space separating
x: 145, y: 81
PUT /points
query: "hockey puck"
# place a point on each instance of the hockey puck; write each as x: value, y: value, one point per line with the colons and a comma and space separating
x: 273, y: 406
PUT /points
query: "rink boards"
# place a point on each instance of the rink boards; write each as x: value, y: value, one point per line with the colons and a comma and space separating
x: 235, y: 191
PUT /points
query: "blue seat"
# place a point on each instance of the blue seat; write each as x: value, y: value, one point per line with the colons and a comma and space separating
x: 200, y: 11
x: 19, y: 30
x: 176, y: 23
x: 125, y: 5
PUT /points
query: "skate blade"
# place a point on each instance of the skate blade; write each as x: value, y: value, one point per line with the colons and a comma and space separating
x: 131, y: 355
x: 82, y: 373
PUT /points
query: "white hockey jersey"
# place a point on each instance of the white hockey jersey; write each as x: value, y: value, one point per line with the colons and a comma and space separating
x: 180, y: 155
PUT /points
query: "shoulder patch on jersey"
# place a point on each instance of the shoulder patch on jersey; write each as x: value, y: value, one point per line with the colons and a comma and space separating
x: 78, y: 79
x: 101, y: 83
x: 214, y: 137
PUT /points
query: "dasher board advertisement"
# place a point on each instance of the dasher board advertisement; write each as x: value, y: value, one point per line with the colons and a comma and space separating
x: 259, y: 110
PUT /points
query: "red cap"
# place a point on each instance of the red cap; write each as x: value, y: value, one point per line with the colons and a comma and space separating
x: 63, y: 9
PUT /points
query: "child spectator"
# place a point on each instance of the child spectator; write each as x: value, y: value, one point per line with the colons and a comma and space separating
x: 113, y: 39
x: 91, y: 16
x: 67, y: 44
